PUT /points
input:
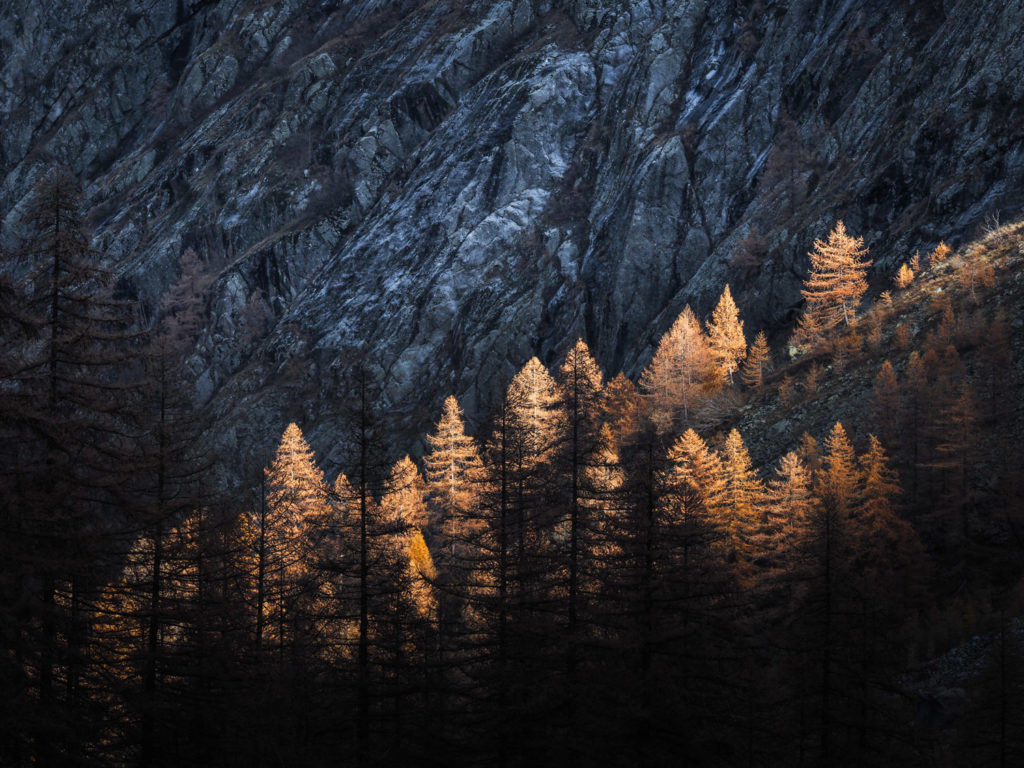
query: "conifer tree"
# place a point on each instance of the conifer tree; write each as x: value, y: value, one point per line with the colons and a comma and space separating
x: 423, y: 575
x: 757, y: 362
x: 913, y: 394
x: 403, y: 503
x: 453, y: 473
x: 957, y: 449
x: 837, y: 279
x: 697, y: 475
x: 745, y: 510
x: 885, y: 403
x: 535, y: 400
x: 604, y: 479
x: 298, y: 518
x: 790, y: 507
x: 837, y: 480
x: 170, y: 463
x: 888, y: 547
x: 904, y: 277
x: 67, y: 443
x: 623, y: 409
x: 822, y: 547
x: 810, y: 329
x: 580, y: 382
x: 725, y: 336
x: 682, y: 375
x: 940, y: 254
x: 683, y: 602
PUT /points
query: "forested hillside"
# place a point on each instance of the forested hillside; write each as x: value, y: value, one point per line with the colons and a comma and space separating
x: 802, y: 548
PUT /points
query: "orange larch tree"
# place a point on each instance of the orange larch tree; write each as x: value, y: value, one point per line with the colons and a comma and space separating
x: 454, y: 472
x: 725, y: 335
x: 403, y: 504
x: 904, y: 277
x: 757, y: 363
x: 580, y: 383
x: 745, y: 512
x: 682, y: 375
x: 297, y: 517
x: 534, y: 400
x: 697, y: 476
x: 789, y: 508
x: 838, y: 278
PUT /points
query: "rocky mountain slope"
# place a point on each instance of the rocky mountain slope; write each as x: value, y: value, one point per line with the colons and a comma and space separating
x: 452, y: 187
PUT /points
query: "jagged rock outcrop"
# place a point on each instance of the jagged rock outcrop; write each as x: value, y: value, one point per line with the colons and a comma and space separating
x: 457, y: 186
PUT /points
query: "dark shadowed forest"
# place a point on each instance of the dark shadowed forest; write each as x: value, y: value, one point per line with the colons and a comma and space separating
x: 793, y: 546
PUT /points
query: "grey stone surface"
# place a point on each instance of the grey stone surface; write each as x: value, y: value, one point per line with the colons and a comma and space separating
x: 458, y: 186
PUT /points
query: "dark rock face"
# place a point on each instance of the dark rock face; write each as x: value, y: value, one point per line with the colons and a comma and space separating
x: 457, y: 186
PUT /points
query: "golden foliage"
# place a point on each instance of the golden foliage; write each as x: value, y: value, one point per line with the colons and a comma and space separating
x: 904, y: 277
x: 940, y: 254
x: 534, y: 401
x: 757, y: 363
x: 454, y: 474
x: 682, y: 375
x: 725, y: 335
x: 838, y: 278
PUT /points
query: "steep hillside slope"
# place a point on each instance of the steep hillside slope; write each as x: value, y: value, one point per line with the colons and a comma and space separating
x: 452, y: 187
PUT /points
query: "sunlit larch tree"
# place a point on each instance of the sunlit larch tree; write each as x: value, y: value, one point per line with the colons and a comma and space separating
x: 298, y: 518
x: 827, y: 546
x: 725, y: 336
x: 580, y: 383
x: 689, y: 611
x: 837, y: 279
x: 757, y: 363
x: 403, y: 512
x: 406, y: 607
x: 745, y: 513
x: 790, y: 505
x: 534, y: 430
x: 535, y: 427
x: 456, y: 492
x: 836, y: 481
x: 886, y: 568
x: 337, y: 549
x: 453, y: 475
x: 404, y: 500
x: 604, y: 477
x: 423, y: 575
x: 535, y: 400
x: 697, y: 474
x: 888, y: 549
x: 695, y: 497
x: 682, y: 375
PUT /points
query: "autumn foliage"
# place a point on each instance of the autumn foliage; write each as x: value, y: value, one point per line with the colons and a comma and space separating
x: 833, y: 289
